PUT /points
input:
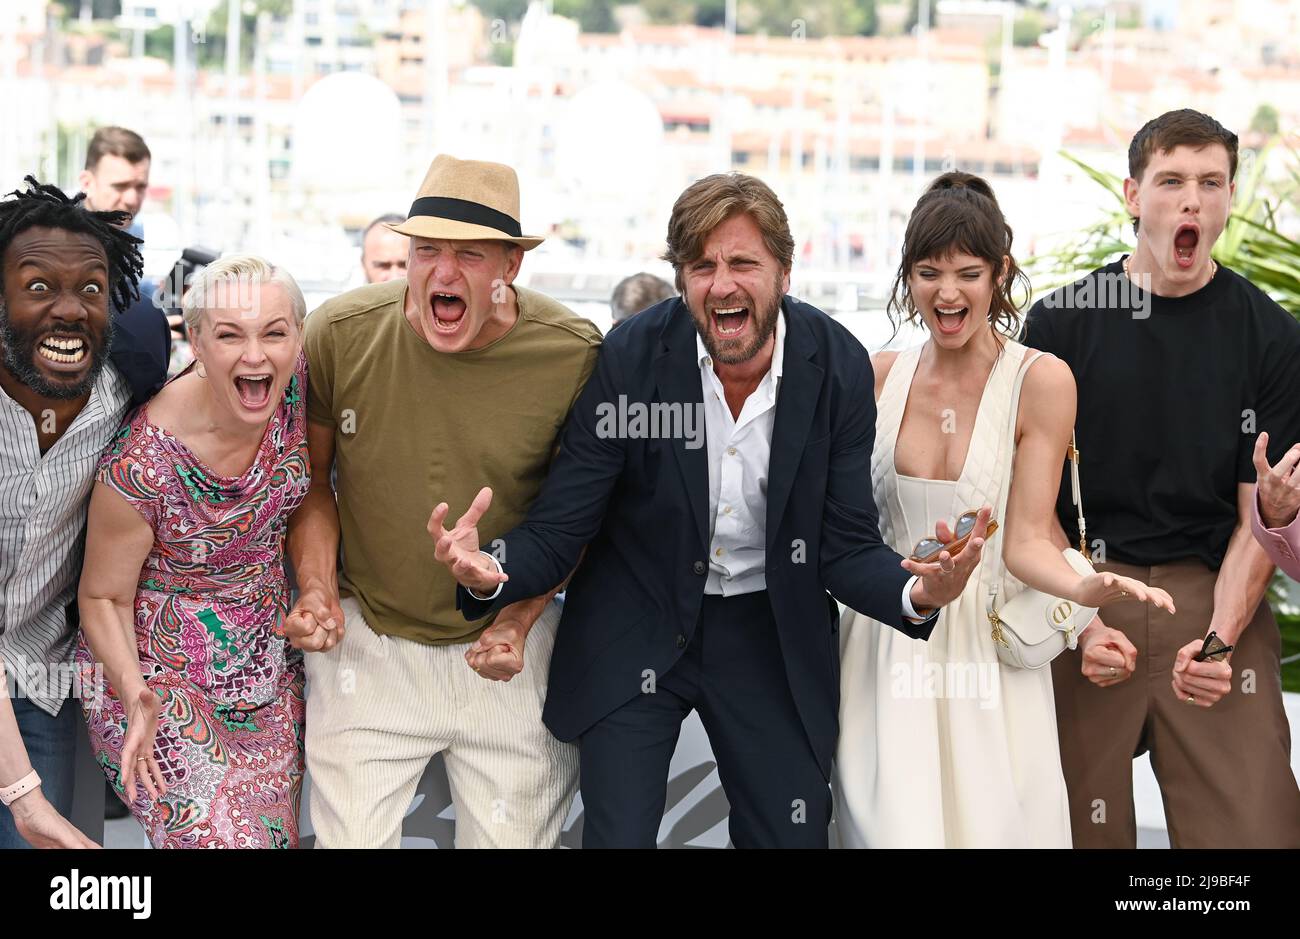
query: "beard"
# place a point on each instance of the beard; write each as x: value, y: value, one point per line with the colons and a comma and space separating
x: 19, y: 357
x: 733, y: 352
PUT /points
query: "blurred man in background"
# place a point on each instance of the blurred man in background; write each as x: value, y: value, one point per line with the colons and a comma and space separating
x: 116, y: 177
x: 636, y: 293
x: 383, y: 251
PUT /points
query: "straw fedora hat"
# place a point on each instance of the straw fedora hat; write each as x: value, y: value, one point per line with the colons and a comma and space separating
x: 467, y: 200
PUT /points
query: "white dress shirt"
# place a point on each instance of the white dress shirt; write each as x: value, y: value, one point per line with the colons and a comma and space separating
x: 43, y: 503
x: 739, y: 451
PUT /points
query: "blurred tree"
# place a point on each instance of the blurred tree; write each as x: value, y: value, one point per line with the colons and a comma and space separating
x: 774, y: 17
x: 159, y: 43
x: 1028, y: 27
x: 212, y: 51
x: 711, y: 13
x: 1265, y: 120
x: 593, y: 16
x: 818, y: 17
x: 70, y: 10
x: 512, y: 11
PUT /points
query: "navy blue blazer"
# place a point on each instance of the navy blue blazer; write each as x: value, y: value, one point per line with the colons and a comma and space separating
x: 142, y: 345
x: 641, y: 507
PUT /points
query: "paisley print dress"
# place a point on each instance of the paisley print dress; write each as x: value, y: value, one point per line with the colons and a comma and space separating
x: 209, y: 628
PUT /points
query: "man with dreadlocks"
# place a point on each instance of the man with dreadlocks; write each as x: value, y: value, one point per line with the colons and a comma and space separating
x: 62, y: 399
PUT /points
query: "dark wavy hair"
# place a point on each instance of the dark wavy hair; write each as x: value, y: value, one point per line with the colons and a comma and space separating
x: 959, y: 213
x: 46, y: 206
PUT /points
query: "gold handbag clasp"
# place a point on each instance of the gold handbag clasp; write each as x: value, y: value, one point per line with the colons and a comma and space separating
x: 997, y: 629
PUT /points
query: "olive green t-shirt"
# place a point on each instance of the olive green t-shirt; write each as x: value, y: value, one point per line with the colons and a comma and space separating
x: 414, y: 427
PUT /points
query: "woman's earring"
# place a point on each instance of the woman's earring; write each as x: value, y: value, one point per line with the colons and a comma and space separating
x: 203, y: 373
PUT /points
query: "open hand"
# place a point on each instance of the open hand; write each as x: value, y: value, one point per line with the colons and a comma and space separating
x: 138, y: 760
x: 459, y: 550
x: 1278, y: 486
x: 42, y: 827
x: 1097, y: 590
x: 943, y: 580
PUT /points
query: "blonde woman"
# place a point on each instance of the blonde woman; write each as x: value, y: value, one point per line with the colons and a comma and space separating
x: 183, y: 594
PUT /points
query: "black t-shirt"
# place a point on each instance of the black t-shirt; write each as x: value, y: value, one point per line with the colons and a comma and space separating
x: 1172, y: 394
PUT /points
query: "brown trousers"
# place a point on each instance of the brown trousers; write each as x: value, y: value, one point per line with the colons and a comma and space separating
x: 1224, y: 772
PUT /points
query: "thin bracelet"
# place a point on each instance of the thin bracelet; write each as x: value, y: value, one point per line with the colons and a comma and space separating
x: 500, y: 570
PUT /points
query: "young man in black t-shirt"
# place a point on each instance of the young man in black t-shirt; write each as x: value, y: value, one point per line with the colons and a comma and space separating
x: 1179, y: 362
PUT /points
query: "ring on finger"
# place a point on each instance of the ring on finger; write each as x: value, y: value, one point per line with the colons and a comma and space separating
x: 1191, y: 699
x: 1112, y: 671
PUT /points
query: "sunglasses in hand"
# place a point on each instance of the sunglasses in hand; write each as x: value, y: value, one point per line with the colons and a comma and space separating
x: 1212, y: 650
x: 927, y: 550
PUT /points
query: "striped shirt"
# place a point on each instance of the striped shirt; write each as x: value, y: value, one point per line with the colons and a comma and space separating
x: 43, y: 503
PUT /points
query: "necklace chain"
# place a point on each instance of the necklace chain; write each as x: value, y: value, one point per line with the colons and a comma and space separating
x: 1214, y: 267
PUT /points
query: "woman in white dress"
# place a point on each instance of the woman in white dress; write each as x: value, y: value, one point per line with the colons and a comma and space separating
x: 940, y: 745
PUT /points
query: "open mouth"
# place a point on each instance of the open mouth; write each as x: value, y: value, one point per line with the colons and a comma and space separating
x: 448, y: 312
x: 254, y: 390
x: 730, y: 322
x: 64, y: 350
x: 1186, y: 238
x: 951, y: 319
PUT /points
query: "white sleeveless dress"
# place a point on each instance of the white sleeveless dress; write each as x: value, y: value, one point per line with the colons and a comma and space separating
x: 940, y: 745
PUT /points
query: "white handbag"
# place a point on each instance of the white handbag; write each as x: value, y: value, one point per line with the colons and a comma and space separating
x: 1033, y: 627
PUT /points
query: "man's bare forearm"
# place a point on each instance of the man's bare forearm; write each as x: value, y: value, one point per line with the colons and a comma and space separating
x: 527, y: 612
x: 1241, y: 584
x: 14, y: 763
x: 314, y: 540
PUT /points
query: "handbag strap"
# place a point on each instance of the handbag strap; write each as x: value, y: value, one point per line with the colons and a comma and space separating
x: 1076, y: 493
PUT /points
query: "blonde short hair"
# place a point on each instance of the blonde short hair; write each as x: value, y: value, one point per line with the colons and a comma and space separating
x: 218, y: 283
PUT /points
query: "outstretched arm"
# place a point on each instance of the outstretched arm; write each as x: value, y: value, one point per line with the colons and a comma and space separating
x: 1047, y: 407
x: 118, y: 541
x: 567, y: 514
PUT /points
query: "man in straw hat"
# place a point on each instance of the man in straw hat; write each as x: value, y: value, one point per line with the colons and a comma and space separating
x: 423, y: 387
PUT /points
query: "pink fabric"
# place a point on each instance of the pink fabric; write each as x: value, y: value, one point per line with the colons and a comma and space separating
x: 1281, y: 544
x: 209, y: 629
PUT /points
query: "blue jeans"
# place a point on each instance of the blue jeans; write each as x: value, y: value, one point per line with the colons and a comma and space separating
x: 51, y: 743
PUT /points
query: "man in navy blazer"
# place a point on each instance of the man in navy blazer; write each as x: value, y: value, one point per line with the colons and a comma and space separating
x: 717, y: 469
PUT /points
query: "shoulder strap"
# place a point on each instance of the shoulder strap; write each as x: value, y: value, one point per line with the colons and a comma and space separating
x: 1009, y: 454
x: 1076, y: 493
